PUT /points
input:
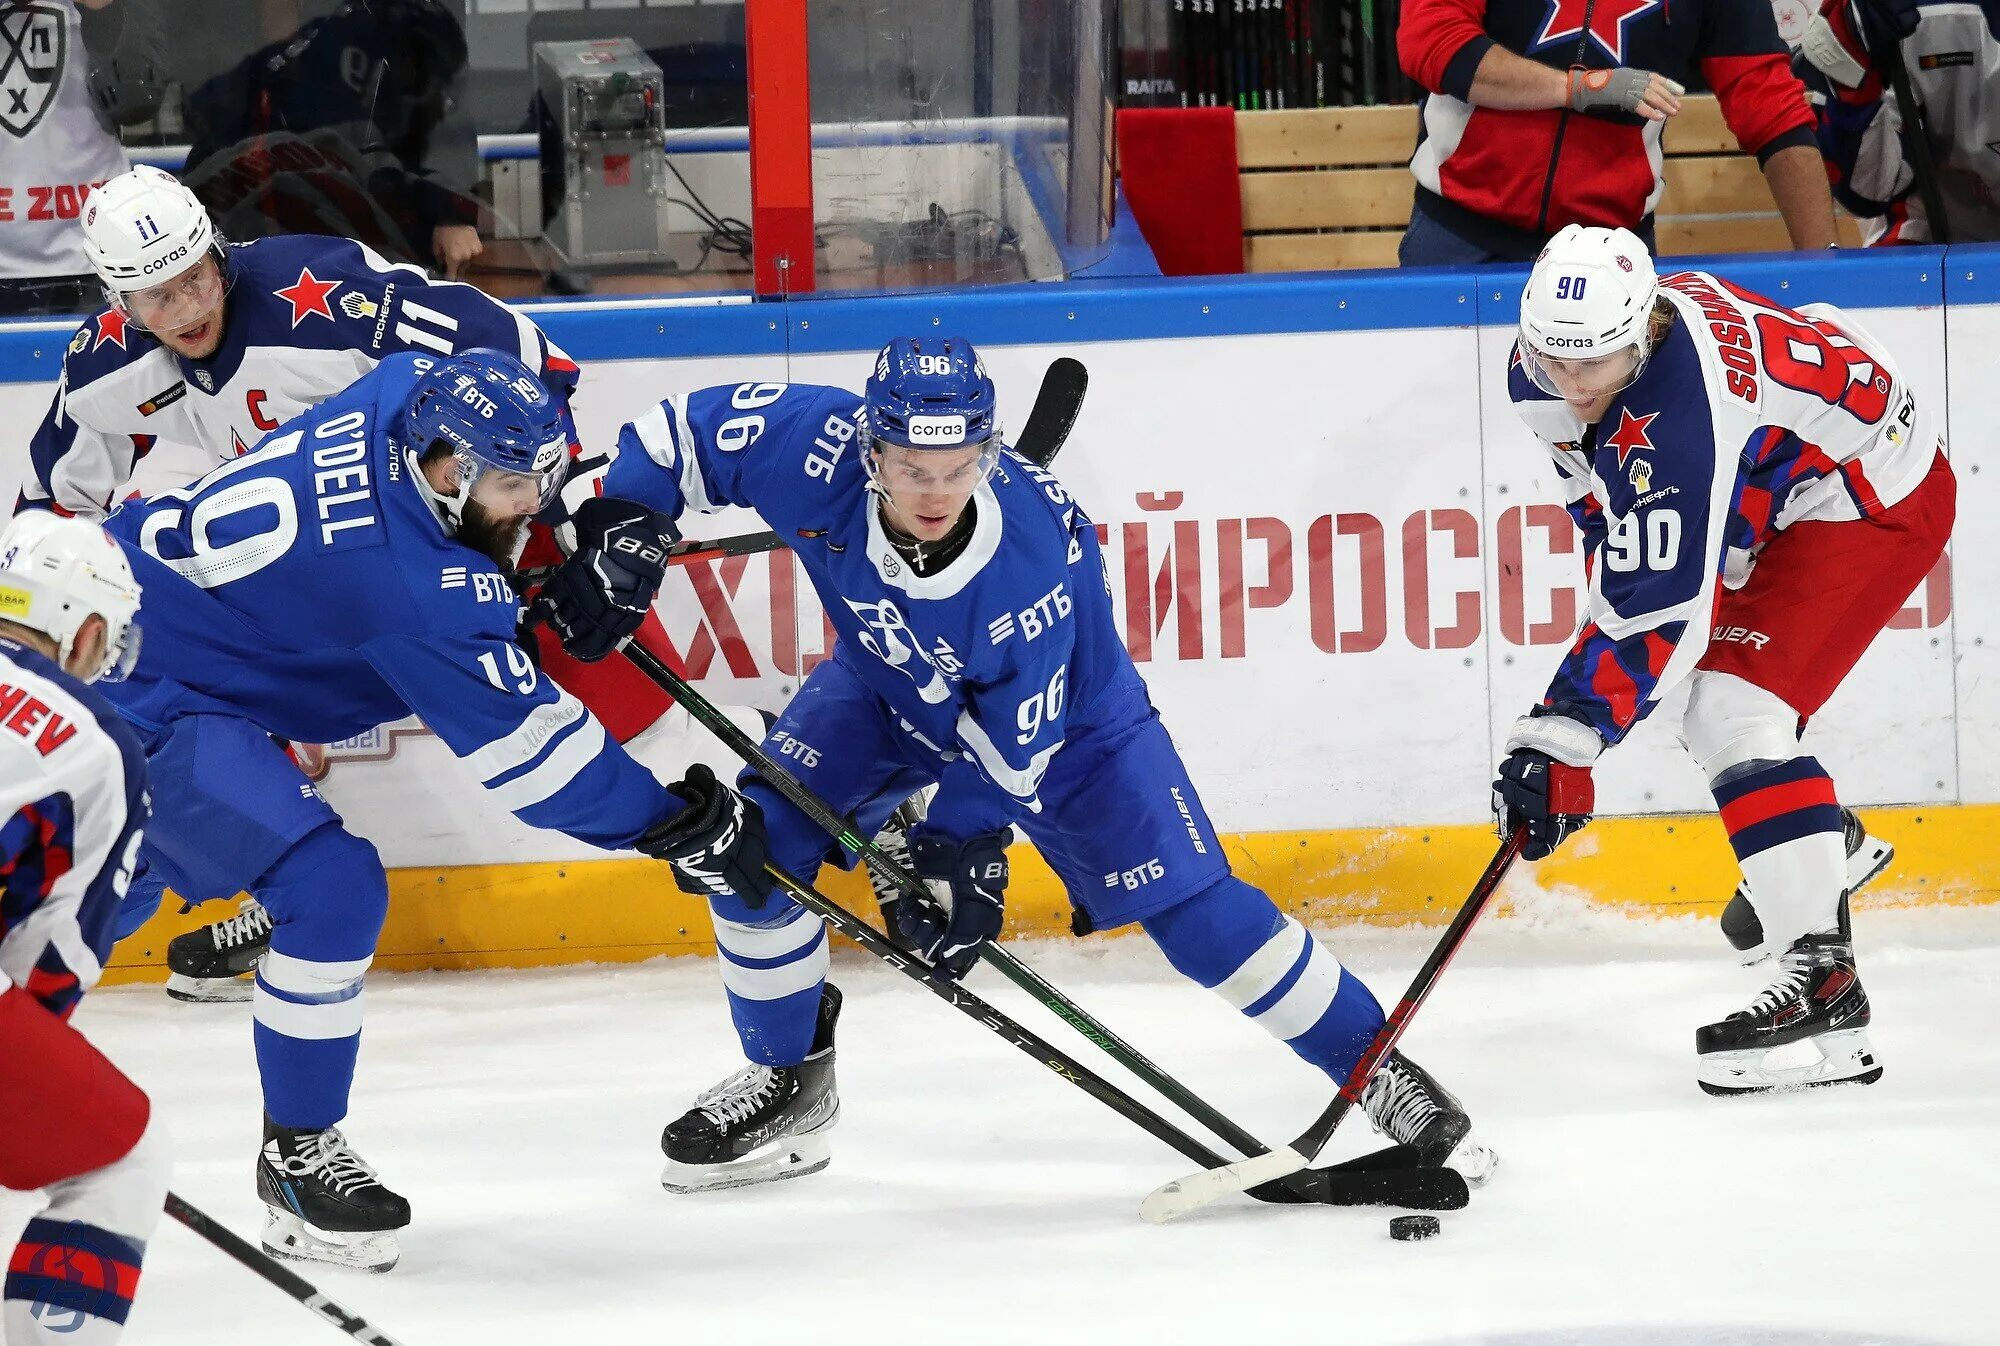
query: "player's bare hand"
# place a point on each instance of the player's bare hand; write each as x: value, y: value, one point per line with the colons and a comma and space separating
x: 455, y: 245
x: 1644, y: 92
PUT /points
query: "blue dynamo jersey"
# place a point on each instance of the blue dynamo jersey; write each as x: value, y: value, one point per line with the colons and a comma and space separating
x: 310, y: 588
x: 992, y: 662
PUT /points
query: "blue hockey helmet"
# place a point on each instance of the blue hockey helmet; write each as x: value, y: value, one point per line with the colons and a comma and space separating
x: 499, y: 422
x: 931, y: 393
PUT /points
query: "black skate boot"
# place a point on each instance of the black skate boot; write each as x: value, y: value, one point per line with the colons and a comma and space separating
x: 324, y: 1203
x: 215, y: 962
x: 1405, y: 1104
x: 894, y: 841
x: 1808, y: 1027
x: 762, y: 1124
x: 1867, y: 857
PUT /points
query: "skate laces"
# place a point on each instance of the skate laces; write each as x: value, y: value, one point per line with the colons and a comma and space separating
x: 741, y: 1094
x: 246, y: 927
x: 327, y: 1155
x: 1795, y: 973
x: 1398, y: 1105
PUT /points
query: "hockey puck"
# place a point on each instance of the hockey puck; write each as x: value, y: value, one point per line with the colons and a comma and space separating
x: 1409, y: 1228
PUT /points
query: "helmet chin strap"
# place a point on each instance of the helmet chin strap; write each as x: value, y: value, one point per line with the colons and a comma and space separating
x: 450, y: 509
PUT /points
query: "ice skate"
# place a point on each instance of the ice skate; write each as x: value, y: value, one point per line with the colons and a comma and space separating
x: 1867, y: 857
x: 214, y: 963
x: 762, y: 1124
x: 1808, y: 1027
x: 1405, y: 1104
x: 324, y: 1203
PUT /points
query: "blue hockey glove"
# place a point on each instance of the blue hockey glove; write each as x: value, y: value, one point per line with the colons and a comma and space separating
x: 601, y: 594
x: 968, y: 901
x: 1545, y: 784
x: 717, y: 845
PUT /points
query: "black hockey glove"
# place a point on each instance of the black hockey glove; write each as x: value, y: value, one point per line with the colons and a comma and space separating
x: 1545, y: 784
x: 601, y: 594
x: 967, y: 904
x: 717, y: 845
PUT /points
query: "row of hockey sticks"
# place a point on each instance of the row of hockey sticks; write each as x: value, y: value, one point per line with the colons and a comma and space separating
x: 1191, y: 1193
x: 1385, y: 1178
x: 1048, y: 425
x: 297, y: 1286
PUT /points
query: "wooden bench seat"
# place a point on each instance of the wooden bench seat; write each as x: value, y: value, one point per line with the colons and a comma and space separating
x: 1330, y: 188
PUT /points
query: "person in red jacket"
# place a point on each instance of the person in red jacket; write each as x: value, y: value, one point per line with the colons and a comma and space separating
x: 1544, y: 113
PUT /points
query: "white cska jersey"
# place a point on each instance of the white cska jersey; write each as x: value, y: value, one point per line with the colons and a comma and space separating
x: 307, y: 316
x: 73, y: 807
x: 53, y: 150
x: 1749, y: 417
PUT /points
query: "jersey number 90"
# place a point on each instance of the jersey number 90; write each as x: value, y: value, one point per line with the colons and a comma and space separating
x: 1651, y: 540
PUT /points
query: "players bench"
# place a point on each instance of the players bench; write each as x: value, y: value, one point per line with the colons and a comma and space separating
x: 1330, y: 188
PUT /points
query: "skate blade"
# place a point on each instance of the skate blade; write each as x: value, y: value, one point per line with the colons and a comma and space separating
x: 209, y: 990
x: 289, y: 1237
x: 1866, y: 865
x: 797, y: 1157
x: 1472, y: 1161
x: 1844, y: 1057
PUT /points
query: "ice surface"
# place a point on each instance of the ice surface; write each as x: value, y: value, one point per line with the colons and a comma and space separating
x: 974, y: 1198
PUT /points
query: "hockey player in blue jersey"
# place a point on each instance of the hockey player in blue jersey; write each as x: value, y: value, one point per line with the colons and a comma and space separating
x: 977, y: 651
x: 345, y: 574
x: 213, y: 345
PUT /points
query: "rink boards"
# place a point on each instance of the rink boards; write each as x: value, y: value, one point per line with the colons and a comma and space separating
x: 1338, y: 560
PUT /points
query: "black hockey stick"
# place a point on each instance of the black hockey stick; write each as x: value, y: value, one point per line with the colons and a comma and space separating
x: 1422, y: 1184
x: 353, y: 1324
x: 1048, y: 426
x: 1200, y: 1189
x: 1415, y: 1188
x: 1917, y: 123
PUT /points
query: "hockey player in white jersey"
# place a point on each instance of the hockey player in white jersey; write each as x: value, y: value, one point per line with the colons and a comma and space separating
x: 976, y: 651
x: 212, y: 345
x: 72, y: 806
x: 1759, y: 492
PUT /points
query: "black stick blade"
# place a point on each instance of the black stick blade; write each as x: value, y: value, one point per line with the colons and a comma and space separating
x: 1055, y: 410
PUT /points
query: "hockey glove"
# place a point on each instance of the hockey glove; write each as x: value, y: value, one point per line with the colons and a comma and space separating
x: 717, y: 845
x: 601, y: 594
x: 1544, y: 784
x: 967, y: 903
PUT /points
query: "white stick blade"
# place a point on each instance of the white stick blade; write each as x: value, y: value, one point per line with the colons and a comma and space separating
x: 1210, y: 1185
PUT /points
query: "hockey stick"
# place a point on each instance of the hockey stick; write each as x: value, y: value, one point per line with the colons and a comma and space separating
x: 1917, y: 121
x: 1191, y: 1193
x: 1048, y: 426
x: 1422, y: 1185
x: 353, y: 1324
x: 1415, y: 1188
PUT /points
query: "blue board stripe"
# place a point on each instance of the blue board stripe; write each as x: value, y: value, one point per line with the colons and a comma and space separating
x: 1153, y: 308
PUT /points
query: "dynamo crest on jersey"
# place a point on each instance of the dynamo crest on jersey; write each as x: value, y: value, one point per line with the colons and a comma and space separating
x: 34, y: 41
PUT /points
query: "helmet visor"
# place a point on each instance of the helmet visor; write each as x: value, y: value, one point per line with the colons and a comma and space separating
x: 122, y: 654
x: 505, y: 492
x: 1581, y: 379
x: 176, y: 303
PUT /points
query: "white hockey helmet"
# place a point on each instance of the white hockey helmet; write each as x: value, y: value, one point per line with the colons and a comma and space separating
x: 143, y: 228
x: 1590, y: 296
x: 55, y: 573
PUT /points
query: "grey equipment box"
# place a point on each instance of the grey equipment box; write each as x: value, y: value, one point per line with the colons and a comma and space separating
x: 603, y: 138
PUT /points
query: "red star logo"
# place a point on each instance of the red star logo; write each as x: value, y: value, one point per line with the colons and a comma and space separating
x: 1607, y: 23
x: 110, y: 327
x: 307, y: 295
x: 1631, y: 433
